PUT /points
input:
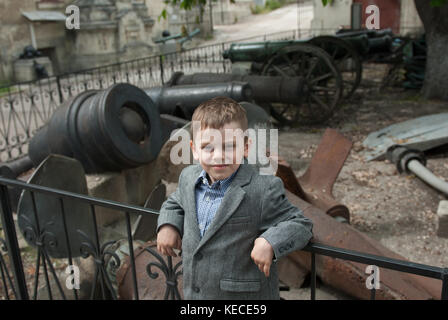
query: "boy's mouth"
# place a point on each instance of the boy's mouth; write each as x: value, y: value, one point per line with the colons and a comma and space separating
x: 219, y: 166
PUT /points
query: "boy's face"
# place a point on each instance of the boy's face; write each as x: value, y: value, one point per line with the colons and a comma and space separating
x: 219, y: 151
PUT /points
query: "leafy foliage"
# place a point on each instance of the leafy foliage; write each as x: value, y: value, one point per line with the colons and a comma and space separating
x: 438, y: 3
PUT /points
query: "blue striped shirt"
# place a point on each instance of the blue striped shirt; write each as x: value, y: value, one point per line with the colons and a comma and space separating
x: 208, y: 198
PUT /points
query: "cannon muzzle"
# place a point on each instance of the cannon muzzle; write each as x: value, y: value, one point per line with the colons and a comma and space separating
x: 108, y: 130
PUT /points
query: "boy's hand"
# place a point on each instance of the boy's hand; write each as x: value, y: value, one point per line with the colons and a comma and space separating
x: 262, y: 254
x: 168, y: 238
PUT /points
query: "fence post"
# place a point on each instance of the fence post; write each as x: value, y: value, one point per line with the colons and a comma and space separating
x: 13, y: 244
x: 445, y: 284
x: 161, y: 68
x: 58, y: 82
x: 223, y: 60
x: 313, y: 276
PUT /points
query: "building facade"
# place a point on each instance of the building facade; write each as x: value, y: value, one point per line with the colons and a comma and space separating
x: 399, y: 15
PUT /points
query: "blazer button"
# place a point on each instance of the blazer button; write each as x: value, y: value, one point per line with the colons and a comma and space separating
x: 196, y: 289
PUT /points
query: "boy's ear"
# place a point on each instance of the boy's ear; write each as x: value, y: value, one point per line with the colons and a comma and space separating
x: 247, y: 145
x: 193, y: 150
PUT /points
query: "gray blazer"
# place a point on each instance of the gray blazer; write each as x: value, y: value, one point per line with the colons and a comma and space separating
x: 219, y: 265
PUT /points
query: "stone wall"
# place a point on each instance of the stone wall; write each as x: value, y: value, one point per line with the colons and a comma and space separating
x: 15, y: 34
x: 338, y: 14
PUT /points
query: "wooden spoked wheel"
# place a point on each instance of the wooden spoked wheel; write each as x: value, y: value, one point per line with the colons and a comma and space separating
x: 346, y: 59
x: 322, y: 84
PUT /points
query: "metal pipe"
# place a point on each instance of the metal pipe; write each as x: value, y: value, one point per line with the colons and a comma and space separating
x: 264, y: 88
x: 426, y: 175
x: 411, y: 160
x: 184, y: 99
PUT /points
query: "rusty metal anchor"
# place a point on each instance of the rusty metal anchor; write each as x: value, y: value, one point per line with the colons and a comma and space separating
x: 316, y: 185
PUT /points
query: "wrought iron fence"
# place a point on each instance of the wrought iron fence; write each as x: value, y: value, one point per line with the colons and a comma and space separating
x: 15, y: 284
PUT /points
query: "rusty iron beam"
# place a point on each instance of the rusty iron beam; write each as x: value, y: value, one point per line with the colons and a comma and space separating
x: 316, y: 185
x: 348, y: 276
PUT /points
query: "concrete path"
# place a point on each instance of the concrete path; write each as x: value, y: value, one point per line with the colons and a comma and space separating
x: 283, y: 19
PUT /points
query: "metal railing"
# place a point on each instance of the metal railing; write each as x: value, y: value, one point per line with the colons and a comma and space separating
x: 19, y: 285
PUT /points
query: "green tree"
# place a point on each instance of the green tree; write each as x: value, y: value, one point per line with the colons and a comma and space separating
x: 434, y: 15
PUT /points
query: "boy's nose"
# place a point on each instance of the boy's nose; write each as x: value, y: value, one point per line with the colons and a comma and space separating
x: 218, y: 156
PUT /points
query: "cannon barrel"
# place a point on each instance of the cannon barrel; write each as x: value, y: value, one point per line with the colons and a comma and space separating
x: 106, y: 130
x: 179, y: 36
x: 369, y: 33
x: 189, y: 36
x: 264, y: 88
x: 380, y: 44
x: 364, y: 42
x: 184, y: 99
x: 255, y: 51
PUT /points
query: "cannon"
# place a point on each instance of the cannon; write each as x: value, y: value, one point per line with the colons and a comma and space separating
x: 299, y: 84
x: 181, y: 100
x: 105, y: 130
x: 346, y: 51
x: 177, y: 36
x: 171, y: 43
x: 342, y: 54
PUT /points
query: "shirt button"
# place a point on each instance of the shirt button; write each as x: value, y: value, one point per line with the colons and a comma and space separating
x: 196, y: 289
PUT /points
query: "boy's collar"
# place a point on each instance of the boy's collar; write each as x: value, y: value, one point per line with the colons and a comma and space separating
x: 241, y: 176
x: 223, y: 182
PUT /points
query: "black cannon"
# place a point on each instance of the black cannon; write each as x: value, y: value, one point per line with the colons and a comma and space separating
x: 180, y: 101
x: 299, y: 84
x: 105, y: 130
x: 345, y: 51
x: 342, y: 54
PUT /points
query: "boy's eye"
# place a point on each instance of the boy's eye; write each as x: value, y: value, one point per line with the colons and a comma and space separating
x: 208, y: 148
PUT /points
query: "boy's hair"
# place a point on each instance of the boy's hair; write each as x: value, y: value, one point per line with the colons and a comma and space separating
x: 217, y: 112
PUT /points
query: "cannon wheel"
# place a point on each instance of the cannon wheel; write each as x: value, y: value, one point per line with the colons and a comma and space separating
x: 346, y: 59
x: 322, y: 87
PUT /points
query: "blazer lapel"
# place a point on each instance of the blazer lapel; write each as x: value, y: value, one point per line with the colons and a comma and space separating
x: 232, y: 199
x: 190, y: 212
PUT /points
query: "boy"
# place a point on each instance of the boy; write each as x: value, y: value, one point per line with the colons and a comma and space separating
x: 230, y: 222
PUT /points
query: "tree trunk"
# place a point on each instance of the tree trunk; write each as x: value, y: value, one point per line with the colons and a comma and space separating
x: 435, y: 21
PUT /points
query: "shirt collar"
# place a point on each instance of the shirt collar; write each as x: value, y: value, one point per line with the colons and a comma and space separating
x: 218, y: 183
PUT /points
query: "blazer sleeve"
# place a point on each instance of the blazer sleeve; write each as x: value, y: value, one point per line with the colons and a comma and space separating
x: 283, y: 225
x: 172, y: 211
